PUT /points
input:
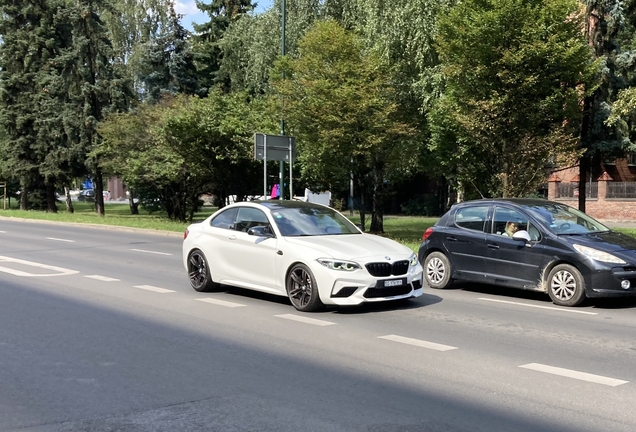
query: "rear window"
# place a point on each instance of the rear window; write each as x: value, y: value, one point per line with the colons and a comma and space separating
x: 472, y: 218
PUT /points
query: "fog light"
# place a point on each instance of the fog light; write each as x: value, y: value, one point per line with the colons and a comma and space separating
x: 625, y: 284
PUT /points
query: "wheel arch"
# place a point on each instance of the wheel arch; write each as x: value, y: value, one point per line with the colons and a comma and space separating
x: 552, y: 264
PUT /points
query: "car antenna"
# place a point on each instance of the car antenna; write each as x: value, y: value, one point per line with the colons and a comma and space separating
x: 477, y: 189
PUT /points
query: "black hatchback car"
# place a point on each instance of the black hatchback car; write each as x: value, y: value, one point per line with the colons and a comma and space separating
x: 530, y: 244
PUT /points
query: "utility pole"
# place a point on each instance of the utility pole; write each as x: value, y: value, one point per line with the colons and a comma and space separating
x: 281, y: 174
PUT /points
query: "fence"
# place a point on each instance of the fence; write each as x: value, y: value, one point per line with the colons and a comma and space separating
x: 605, y: 199
x: 571, y: 190
x: 621, y: 190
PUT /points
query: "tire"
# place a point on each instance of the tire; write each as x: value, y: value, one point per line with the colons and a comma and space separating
x: 302, y: 289
x: 566, y: 286
x: 437, y: 270
x: 199, y: 273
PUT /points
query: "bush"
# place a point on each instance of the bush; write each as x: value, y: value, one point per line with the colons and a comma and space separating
x: 421, y: 205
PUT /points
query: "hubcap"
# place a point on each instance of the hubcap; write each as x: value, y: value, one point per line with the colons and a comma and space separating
x: 563, y: 285
x: 435, y: 270
x: 300, y: 290
x: 197, y: 271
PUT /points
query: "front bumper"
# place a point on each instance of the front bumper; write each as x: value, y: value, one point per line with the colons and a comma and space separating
x: 606, y: 282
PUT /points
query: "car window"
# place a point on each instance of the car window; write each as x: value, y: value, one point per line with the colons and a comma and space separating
x: 225, y: 219
x: 319, y: 221
x: 250, y: 217
x: 473, y: 218
x: 507, y: 221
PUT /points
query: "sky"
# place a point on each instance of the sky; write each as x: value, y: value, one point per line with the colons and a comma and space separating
x: 191, y: 14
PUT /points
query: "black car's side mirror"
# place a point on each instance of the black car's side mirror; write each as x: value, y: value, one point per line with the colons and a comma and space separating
x: 260, y: 231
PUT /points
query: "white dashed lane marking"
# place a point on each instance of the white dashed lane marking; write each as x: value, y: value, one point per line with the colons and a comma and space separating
x: 305, y: 320
x: 220, y: 302
x: 539, y: 307
x: 59, y: 239
x: 154, y: 289
x: 59, y: 271
x: 102, y: 278
x: 151, y: 252
x: 3, y: 232
x: 418, y: 342
x: 583, y: 376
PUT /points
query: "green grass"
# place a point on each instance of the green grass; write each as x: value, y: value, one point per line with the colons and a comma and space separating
x: 407, y: 230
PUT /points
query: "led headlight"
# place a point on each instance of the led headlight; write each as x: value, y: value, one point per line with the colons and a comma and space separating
x: 598, y: 255
x: 334, y: 264
x: 413, y: 260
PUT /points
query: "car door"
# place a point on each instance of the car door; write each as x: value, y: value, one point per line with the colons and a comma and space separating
x: 513, y: 262
x: 251, y: 259
x: 465, y: 240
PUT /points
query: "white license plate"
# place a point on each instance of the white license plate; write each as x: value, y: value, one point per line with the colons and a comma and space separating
x: 391, y: 283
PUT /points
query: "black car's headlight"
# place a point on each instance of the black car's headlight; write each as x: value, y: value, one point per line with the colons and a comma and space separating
x: 342, y: 265
x: 598, y: 255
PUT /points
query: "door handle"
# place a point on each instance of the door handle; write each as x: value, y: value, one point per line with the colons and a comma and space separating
x: 232, y: 237
x: 493, y: 246
x: 453, y: 239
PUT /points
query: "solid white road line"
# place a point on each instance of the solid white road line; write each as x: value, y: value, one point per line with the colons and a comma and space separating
x: 598, y: 379
x: 102, y: 278
x: 3, y: 232
x: 220, y: 302
x: 150, y: 252
x: 59, y: 239
x: 418, y: 343
x: 305, y: 320
x: 540, y: 307
x: 154, y: 289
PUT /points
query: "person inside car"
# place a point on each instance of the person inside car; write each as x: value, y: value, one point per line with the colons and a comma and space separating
x: 511, y: 229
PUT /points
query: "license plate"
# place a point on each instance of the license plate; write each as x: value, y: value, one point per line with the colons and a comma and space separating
x: 394, y: 282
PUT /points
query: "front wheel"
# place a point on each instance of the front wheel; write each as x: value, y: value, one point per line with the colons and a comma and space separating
x: 302, y: 289
x: 199, y: 273
x: 566, y: 286
x: 437, y: 270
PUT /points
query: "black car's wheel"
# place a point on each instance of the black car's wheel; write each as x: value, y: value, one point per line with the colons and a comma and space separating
x: 302, y: 289
x: 199, y: 273
x: 566, y: 285
x: 437, y: 270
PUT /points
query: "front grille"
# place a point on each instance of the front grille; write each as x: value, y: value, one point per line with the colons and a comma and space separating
x: 382, y: 269
x: 387, y: 292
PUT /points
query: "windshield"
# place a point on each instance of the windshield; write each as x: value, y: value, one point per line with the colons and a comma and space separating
x: 312, y: 221
x: 563, y: 219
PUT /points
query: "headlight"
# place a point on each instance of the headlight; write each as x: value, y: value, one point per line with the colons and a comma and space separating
x: 598, y: 255
x: 413, y: 260
x: 339, y: 264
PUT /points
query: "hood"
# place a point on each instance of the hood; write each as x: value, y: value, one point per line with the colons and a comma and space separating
x: 609, y: 242
x: 354, y: 246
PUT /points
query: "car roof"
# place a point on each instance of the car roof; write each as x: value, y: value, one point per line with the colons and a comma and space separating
x: 285, y: 204
x: 517, y: 201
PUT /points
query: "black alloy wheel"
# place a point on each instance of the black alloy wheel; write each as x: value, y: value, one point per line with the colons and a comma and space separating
x: 199, y: 273
x: 302, y: 289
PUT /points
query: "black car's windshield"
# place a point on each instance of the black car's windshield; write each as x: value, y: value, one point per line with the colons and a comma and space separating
x: 312, y: 221
x: 563, y: 219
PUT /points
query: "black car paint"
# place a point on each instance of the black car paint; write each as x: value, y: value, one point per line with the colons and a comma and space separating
x: 518, y: 264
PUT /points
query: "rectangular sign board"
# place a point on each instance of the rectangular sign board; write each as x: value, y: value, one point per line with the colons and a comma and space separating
x: 279, y: 147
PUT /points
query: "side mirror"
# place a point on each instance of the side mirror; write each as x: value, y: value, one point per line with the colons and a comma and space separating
x: 260, y: 231
x: 521, y: 235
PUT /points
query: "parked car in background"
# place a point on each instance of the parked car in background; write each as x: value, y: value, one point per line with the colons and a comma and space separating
x: 556, y: 249
x: 305, y: 251
x: 86, y: 195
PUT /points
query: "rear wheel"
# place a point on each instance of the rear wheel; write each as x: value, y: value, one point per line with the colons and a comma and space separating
x: 199, y: 273
x: 437, y: 270
x: 566, y: 285
x: 302, y: 289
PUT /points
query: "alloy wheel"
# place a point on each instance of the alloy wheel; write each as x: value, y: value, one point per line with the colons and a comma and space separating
x: 435, y: 270
x: 301, y: 289
x: 563, y: 285
x: 197, y: 270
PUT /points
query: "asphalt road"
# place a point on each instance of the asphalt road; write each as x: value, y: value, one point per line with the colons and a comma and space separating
x: 100, y: 331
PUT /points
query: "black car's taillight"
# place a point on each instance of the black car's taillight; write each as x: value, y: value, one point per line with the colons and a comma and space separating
x: 427, y: 233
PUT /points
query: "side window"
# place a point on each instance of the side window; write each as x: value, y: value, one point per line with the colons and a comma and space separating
x: 224, y: 219
x: 508, y: 221
x: 473, y: 218
x: 250, y: 217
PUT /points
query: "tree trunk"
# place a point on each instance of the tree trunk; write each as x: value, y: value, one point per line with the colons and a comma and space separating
x: 99, y: 192
x: 362, y: 209
x: 69, y: 202
x: 51, y: 201
x: 134, y: 206
x: 24, y: 201
x: 377, y: 215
